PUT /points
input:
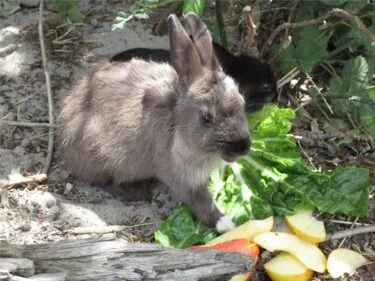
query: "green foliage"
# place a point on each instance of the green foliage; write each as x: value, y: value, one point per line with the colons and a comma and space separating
x: 139, y: 10
x: 69, y: 9
x: 181, y: 230
x: 274, y: 178
x: 271, y: 180
x: 311, y: 47
x: 308, y: 47
x: 195, y: 6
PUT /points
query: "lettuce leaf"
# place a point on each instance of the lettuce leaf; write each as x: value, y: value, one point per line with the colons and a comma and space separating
x: 182, y: 230
x: 271, y: 180
x: 274, y: 178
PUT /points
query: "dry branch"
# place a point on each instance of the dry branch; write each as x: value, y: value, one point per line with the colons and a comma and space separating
x: 23, y: 180
x: 109, y: 259
x: 351, y: 232
x: 49, y: 91
x: 333, y: 12
x: 26, y: 124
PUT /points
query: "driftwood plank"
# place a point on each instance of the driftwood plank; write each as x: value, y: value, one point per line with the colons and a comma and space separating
x: 18, y: 266
x: 110, y: 259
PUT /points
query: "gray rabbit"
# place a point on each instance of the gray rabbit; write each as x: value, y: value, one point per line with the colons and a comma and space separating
x: 137, y: 120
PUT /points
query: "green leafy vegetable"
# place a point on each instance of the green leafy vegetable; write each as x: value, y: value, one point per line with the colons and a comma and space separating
x: 274, y: 178
x: 181, y: 230
x: 271, y: 180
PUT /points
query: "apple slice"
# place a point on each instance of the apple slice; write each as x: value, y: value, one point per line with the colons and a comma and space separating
x: 342, y: 261
x: 307, y: 253
x: 247, y: 230
x: 305, y: 226
x: 242, y: 246
x: 286, y: 267
x: 241, y: 277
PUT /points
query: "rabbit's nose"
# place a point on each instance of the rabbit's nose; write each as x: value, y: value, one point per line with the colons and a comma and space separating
x: 239, y: 147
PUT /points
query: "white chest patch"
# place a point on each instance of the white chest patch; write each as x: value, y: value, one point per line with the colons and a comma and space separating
x: 194, y: 166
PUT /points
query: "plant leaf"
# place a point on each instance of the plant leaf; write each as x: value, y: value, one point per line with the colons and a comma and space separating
x: 182, y: 230
x: 63, y: 6
x: 75, y: 16
x: 195, y: 6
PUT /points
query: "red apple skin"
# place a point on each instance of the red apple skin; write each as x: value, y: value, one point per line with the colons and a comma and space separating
x: 242, y: 246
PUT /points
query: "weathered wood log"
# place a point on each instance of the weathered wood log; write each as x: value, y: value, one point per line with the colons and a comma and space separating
x: 18, y: 266
x: 110, y: 259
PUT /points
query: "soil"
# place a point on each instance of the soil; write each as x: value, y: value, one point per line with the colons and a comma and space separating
x: 52, y: 211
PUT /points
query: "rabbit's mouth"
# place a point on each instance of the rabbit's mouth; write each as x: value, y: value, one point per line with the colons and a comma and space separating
x: 234, y: 149
x: 229, y: 158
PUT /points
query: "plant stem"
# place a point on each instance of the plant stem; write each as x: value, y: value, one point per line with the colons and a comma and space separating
x: 220, y: 23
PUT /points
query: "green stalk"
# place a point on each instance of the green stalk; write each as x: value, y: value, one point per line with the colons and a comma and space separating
x: 220, y: 23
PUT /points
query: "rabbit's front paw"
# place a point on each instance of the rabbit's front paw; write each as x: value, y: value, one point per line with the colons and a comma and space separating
x: 224, y: 224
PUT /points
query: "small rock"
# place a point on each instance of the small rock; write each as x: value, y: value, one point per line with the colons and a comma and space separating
x: 68, y: 188
x: 25, y: 227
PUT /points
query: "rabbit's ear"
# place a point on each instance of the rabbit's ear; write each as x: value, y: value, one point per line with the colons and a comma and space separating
x: 202, y: 40
x: 184, y: 55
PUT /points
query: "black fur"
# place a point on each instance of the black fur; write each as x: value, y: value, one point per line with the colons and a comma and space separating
x: 255, y: 78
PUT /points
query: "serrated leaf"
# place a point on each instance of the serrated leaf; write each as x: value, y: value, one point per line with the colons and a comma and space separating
x: 356, y: 73
x: 287, y: 61
x: 195, y: 6
x: 355, y: 6
x: 310, y: 47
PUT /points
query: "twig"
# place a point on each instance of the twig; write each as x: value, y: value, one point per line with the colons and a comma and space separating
x: 287, y: 77
x: 49, y: 91
x: 26, y: 124
x: 351, y: 232
x: 307, y: 156
x: 105, y: 229
x: 351, y: 228
x: 349, y: 223
x: 318, y: 20
x: 320, y: 93
x: 22, y: 180
x: 287, y: 38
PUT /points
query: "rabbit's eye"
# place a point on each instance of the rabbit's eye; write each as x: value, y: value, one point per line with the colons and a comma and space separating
x: 265, y: 86
x: 205, y: 119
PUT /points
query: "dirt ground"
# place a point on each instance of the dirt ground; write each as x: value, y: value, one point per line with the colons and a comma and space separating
x: 63, y: 208
x: 47, y: 212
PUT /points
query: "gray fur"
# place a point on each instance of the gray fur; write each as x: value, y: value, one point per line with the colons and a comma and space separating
x: 137, y: 120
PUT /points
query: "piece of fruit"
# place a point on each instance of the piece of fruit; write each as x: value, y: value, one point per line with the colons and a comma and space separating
x: 285, y: 267
x: 242, y: 246
x: 241, y: 277
x: 307, y: 253
x: 247, y: 230
x: 305, y: 226
x: 342, y: 261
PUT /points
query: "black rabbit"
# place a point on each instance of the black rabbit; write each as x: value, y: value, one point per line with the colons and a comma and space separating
x: 255, y: 78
